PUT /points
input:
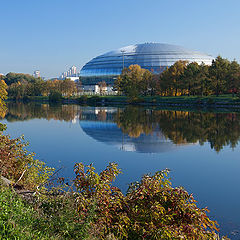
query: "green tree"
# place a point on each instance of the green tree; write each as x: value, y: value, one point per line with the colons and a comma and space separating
x: 204, y: 80
x: 233, y: 77
x: 55, y: 96
x: 189, y: 79
x: 18, y: 77
x: 17, y: 90
x: 218, y: 73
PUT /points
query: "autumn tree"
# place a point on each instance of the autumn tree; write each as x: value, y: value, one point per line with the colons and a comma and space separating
x: 134, y: 82
x: 171, y: 78
x: 68, y: 87
x: 3, y: 96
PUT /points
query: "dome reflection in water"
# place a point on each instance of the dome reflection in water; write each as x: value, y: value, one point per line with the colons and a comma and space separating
x: 140, y: 129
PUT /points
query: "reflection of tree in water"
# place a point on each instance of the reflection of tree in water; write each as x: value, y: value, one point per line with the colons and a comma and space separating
x: 134, y: 121
x: 215, y: 128
x: 219, y: 129
x: 22, y: 112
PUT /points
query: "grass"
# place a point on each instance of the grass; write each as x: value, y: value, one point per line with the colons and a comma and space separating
x: 51, y: 219
x: 16, y: 218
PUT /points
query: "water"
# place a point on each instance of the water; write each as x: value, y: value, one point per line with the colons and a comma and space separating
x: 200, y: 148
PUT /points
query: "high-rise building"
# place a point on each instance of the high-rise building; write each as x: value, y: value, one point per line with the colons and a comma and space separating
x: 36, y: 74
x: 72, y: 72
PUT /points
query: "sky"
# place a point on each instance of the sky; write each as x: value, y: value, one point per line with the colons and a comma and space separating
x: 53, y: 35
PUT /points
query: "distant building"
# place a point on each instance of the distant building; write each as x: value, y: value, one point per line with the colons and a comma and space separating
x: 72, y: 72
x: 36, y: 74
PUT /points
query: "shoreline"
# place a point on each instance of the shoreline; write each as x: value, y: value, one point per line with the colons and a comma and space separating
x: 211, y: 102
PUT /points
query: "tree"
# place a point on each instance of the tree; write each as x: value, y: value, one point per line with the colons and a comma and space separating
x: 17, y: 90
x: 218, y: 74
x: 55, y: 96
x: 233, y: 78
x: 3, y: 92
x: 68, y: 87
x: 3, y: 96
x: 204, y: 80
x: 189, y: 78
x: 148, y: 84
x: 171, y: 78
x: 19, y: 77
x: 134, y: 82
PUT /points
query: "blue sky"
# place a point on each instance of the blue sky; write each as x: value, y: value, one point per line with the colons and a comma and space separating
x: 52, y: 35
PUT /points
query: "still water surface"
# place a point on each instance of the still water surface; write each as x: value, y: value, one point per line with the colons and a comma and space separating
x: 200, y: 148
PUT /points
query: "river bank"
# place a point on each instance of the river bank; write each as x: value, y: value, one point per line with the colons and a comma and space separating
x: 223, y: 101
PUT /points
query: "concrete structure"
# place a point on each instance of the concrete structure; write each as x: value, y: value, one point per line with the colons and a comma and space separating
x: 155, y: 57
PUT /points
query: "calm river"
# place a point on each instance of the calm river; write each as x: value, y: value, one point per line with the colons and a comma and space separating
x: 200, y: 148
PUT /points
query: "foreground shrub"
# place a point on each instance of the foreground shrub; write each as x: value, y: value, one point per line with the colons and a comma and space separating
x: 19, y: 165
x: 151, y: 209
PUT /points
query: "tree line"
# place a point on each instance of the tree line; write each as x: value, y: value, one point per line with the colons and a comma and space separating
x: 182, y: 78
x: 181, y: 127
x: 23, y: 85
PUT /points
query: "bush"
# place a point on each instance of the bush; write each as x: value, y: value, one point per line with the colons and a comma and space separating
x: 152, y: 209
x: 55, y: 96
x: 19, y: 165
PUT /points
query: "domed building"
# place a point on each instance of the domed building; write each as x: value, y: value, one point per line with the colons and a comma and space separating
x: 155, y: 57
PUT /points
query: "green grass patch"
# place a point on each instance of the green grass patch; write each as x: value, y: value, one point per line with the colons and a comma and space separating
x: 45, y: 219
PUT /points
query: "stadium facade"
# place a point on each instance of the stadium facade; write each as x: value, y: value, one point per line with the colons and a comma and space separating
x: 155, y: 57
